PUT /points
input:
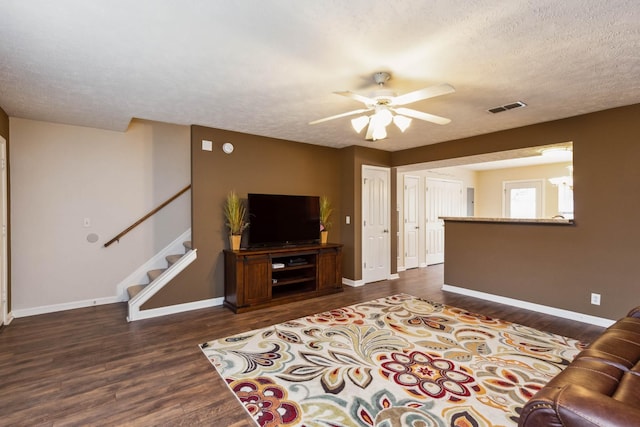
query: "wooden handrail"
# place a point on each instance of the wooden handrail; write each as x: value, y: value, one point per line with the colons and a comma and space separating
x: 141, y: 220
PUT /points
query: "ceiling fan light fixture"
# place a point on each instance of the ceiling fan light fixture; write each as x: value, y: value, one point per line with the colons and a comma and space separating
x: 360, y: 123
x: 379, y: 132
x: 559, y: 153
x: 379, y: 122
x: 384, y: 117
x: 402, y: 122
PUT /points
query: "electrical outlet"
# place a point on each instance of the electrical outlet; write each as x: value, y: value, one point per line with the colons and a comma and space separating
x: 595, y: 299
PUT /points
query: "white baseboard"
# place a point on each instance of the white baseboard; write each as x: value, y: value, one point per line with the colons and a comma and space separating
x: 401, y: 268
x: 64, y: 306
x: 178, y: 308
x: 357, y: 283
x: 352, y: 283
x: 559, y: 312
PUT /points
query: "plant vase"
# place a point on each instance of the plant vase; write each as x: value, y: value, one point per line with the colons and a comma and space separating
x: 324, y: 234
x: 234, y: 241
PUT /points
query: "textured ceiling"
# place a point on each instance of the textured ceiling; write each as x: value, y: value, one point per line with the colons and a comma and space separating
x: 268, y: 67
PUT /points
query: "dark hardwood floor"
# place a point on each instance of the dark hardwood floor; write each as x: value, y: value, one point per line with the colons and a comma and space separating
x: 90, y: 367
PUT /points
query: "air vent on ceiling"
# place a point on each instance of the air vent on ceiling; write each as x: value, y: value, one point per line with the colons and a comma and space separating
x: 506, y: 107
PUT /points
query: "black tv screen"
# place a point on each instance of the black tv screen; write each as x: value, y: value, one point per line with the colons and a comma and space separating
x: 281, y: 220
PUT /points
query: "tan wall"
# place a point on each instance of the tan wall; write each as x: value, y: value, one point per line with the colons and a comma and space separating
x: 556, y: 266
x: 559, y: 266
x: 4, y: 131
x: 489, y: 189
x: 61, y: 174
x: 257, y: 165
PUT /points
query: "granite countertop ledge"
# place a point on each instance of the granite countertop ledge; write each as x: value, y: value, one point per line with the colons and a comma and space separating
x: 553, y: 221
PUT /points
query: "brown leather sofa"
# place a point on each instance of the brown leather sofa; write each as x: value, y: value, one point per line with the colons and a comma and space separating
x: 601, y: 387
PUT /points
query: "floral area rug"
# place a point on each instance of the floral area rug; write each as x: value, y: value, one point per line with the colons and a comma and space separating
x: 395, y: 361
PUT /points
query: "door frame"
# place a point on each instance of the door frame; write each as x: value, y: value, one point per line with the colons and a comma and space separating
x: 387, y: 246
x: 403, y: 221
x: 540, y: 209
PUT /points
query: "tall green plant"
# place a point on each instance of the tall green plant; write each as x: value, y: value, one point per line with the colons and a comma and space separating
x: 325, y: 213
x: 234, y: 213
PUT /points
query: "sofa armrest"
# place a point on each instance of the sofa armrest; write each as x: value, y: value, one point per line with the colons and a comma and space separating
x: 634, y: 312
x: 576, y: 406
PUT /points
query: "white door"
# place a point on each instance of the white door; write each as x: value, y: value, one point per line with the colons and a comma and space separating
x: 523, y: 199
x: 3, y: 224
x: 411, y: 222
x: 443, y: 198
x: 376, y: 253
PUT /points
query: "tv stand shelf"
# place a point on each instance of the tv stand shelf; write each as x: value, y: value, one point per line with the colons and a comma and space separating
x: 256, y: 278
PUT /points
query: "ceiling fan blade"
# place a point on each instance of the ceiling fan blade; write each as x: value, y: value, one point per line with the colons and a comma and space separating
x: 422, y: 116
x: 365, y: 100
x: 419, y: 95
x: 337, y: 116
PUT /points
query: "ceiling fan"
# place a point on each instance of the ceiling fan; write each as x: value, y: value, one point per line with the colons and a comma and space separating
x: 387, y: 107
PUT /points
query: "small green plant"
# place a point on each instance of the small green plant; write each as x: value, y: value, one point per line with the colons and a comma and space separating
x: 325, y: 213
x: 234, y: 213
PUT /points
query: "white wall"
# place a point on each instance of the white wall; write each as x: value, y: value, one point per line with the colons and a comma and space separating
x: 62, y: 174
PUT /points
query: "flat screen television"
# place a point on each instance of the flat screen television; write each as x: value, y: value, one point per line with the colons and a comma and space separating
x: 283, y: 220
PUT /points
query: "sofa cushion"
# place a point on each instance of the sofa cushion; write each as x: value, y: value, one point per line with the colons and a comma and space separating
x: 629, y: 390
x: 581, y: 407
x: 629, y: 324
x: 577, y: 406
x: 594, y: 374
x: 616, y: 346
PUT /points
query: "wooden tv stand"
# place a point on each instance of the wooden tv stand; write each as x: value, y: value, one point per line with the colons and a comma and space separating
x: 256, y: 278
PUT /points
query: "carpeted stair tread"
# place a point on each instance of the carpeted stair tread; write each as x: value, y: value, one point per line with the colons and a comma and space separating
x: 153, y: 274
x: 187, y: 244
x: 172, y: 259
x: 134, y: 290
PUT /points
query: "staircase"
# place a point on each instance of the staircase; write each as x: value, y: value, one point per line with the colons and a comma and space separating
x: 158, y: 278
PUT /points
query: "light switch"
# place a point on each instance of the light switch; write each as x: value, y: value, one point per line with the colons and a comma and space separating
x: 207, y: 145
x: 86, y: 222
x: 347, y: 219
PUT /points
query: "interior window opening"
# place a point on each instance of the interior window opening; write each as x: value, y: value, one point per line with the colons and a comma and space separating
x: 483, y: 193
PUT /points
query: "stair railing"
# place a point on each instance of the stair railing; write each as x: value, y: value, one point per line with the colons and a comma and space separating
x: 147, y: 216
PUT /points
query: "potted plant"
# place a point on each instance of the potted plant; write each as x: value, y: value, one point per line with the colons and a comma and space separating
x: 234, y: 214
x: 325, y: 218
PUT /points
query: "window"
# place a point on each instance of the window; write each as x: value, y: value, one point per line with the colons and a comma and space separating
x: 523, y: 199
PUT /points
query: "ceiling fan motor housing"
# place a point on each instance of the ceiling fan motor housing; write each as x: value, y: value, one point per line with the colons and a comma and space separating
x: 381, y: 77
